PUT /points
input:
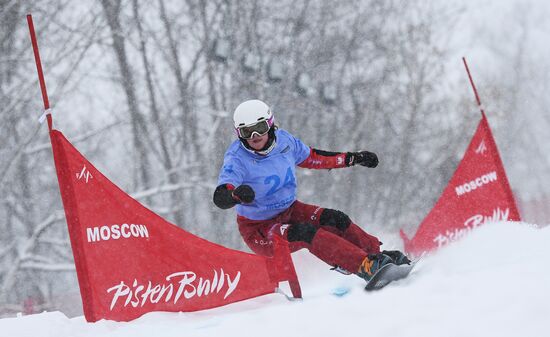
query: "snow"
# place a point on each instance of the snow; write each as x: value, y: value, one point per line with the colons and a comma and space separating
x: 494, y: 282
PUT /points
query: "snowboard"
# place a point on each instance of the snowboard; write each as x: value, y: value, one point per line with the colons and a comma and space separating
x: 387, y: 274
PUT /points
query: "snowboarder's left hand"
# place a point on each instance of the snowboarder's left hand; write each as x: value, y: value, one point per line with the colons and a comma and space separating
x: 363, y: 158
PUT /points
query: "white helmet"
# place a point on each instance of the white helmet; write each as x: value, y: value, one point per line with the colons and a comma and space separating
x: 251, y: 112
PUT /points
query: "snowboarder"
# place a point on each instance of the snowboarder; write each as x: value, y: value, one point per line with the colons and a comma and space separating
x: 258, y: 175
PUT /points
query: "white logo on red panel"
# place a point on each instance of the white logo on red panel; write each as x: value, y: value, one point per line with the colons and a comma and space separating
x: 283, y: 228
x: 482, y: 148
x: 115, y: 232
x: 185, y: 283
x: 476, y: 183
x: 84, y: 175
x: 470, y: 224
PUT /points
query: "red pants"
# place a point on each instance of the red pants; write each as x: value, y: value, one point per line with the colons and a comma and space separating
x: 346, y: 249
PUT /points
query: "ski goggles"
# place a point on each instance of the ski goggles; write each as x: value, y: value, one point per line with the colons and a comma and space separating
x: 260, y: 129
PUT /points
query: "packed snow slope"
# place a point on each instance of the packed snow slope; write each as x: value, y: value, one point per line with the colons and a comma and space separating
x: 494, y: 282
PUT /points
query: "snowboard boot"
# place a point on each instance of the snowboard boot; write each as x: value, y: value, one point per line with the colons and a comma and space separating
x: 397, y: 257
x: 371, y: 264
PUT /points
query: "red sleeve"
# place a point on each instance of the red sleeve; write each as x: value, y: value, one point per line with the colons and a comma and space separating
x: 324, y: 160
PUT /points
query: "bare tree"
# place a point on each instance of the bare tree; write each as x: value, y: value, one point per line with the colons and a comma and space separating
x: 112, y: 10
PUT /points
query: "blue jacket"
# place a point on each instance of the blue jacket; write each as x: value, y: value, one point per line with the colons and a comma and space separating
x: 272, y: 177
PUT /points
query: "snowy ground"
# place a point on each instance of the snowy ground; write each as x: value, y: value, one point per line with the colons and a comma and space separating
x: 495, y: 282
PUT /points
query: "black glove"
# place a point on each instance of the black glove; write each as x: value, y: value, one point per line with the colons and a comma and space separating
x: 244, y: 194
x: 363, y: 158
x: 397, y: 256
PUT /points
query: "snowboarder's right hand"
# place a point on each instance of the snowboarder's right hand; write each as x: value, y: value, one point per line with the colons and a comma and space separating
x: 244, y: 194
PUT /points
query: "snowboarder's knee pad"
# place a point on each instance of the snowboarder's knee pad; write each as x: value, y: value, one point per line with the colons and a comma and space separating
x: 334, y: 218
x: 301, y: 232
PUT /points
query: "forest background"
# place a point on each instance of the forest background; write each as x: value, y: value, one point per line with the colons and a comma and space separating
x: 146, y: 91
